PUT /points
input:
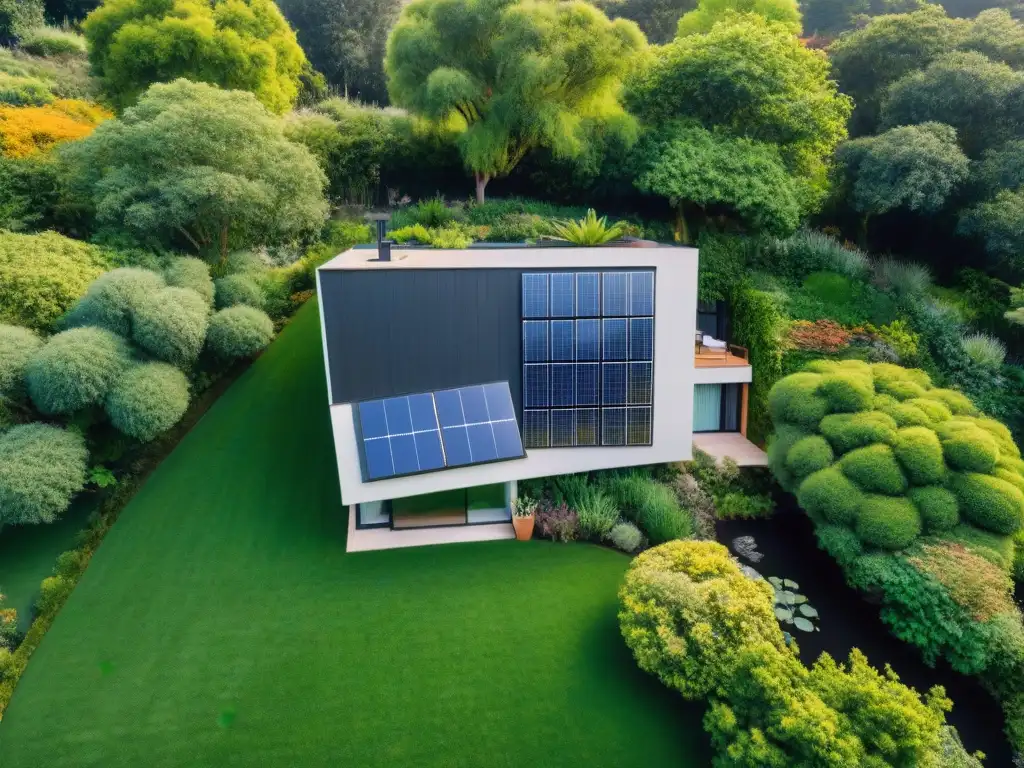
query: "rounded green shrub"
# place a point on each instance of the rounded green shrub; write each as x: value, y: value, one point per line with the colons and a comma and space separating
x: 113, y: 297
x: 887, y: 522
x: 626, y: 537
x: 829, y: 496
x: 41, y: 468
x: 1009, y: 476
x: 17, y: 346
x: 874, y: 469
x: 971, y: 450
x: 75, y: 369
x: 794, y: 400
x: 1002, y: 435
x: 847, y: 392
x: 779, y: 443
x: 847, y: 431
x: 809, y: 455
x: 886, y: 374
x: 238, y: 289
x: 935, y: 410
x: 147, y: 400
x: 906, y: 415
x: 171, y: 324
x: 937, y: 506
x: 919, y: 453
x: 189, y: 272
x: 838, y: 366
x: 239, y: 332
x: 840, y: 542
x: 902, y: 389
x: 989, y: 502
x: 957, y: 402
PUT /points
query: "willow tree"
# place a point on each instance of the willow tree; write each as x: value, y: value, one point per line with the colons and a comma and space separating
x: 511, y: 75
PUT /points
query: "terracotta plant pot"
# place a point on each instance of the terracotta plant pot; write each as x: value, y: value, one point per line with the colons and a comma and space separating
x: 524, y: 527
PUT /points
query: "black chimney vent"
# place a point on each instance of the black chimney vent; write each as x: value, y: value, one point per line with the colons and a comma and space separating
x: 383, y: 246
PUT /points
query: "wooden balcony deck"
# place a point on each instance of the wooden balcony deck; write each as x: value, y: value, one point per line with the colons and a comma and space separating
x: 727, y: 358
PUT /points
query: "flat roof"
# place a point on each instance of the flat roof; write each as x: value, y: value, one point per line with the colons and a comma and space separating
x: 533, y: 257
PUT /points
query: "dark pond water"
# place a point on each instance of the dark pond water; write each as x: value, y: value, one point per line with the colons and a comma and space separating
x: 847, y: 621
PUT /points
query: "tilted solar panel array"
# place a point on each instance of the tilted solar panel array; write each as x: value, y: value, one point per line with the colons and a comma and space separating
x: 438, y: 430
x: 588, y: 358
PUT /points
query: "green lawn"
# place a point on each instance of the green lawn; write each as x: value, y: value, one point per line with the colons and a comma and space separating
x: 222, y: 624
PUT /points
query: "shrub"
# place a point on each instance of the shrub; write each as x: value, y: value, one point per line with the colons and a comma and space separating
x: 31, y: 130
x: 557, y: 522
x: 17, y: 17
x: 808, y: 251
x: 432, y: 213
x: 113, y: 297
x: 847, y: 392
x: 759, y: 324
x: 888, y: 523
x: 988, y: 502
x: 238, y: 289
x: 808, y: 455
x: 970, y: 449
x: 171, y: 324
x: 149, y: 399
x: 53, y: 592
x: 847, y: 431
x: 779, y: 444
x: 828, y: 496
x: 17, y: 346
x: 737, y: 504
x: 18, y: 91
x: 874, y: 469
x: 906, y: 278
x: 652, y: 506
x: 840, y: 542
x: 919, y: 453
x: 53, y: 41
x: 597, y: 514
x: 42, y: 275
x: 75, y: 369
x: 979, y: 586
x: 41, y: 468
x: 993, y: 547
x: 984, y: 350
x: 686, y: 611
x: 794, y: 399
x: 937, y: 506
x: 188, y: 272
x: 819, y: 336
x: 626, y: 536
x: 239, y: 332
x: 1018, y: 556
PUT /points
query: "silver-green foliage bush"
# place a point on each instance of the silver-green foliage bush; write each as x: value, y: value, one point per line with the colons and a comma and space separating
x: 986, y: 351
x: 238, y: 289
x: 190, y: 272
x: 75, y: 369
x: 41, y: 468
x: 113, y: 297
x: 148, y: 399
x: 171, y: 324
x: 17, y: 346
x: 238, y: 332
x: 626, y: 536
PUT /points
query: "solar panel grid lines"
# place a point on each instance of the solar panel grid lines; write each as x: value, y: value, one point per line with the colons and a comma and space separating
x: 430, y: 431
x: 600, y: 357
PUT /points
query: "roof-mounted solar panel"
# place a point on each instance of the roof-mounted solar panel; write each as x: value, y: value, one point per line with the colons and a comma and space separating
x: 427, y: 432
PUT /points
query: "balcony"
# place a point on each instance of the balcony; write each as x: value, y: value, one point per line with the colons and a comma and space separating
x: 720, y: 357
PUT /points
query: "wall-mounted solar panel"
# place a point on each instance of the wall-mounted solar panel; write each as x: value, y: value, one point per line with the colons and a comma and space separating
x: 436, y: 430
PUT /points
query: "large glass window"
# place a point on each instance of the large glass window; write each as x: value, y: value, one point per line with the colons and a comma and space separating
x: 588, y: 358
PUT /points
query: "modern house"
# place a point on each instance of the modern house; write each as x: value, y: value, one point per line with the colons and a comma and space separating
x: 452, y: 374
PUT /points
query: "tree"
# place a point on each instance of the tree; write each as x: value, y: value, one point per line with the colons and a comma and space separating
x: 976, y: 96
x: 242, y: 44
x: 1001, y: 168
x: 997, y: 35
x: 68, y: 11
x: 751, y: 79
x: 513, y: 75
x: 192, y: 165
x: 868, y: 60
x: 346, y: 40
x: 916, y: 167
x: 19, y: 16
x: 831, y: 17
x: 999, y: 225
x: 657, y: 19
x: 700, y: 170
x: 711, y: 12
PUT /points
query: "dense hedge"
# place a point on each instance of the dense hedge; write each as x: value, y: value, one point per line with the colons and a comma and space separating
x: 758, y: 325
x: 75, y: 369
x: 113, y: 297
x: 239, y: 332
x: 238, y: 289
x: 41, y: 468
x: 147, y: 400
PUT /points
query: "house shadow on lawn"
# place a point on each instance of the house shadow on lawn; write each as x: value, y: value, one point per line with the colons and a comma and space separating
x: 790, y: 551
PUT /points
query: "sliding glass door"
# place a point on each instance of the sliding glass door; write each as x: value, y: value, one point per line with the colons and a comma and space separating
x: 716, y: 407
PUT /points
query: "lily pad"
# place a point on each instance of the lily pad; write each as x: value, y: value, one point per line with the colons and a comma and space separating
x: 783, y: 614
x: 803, y: 624
x: 785, y: 597
x: 797, y: 599
x: 790, y: 584
x: 808, y: 611
x: 775, y: 581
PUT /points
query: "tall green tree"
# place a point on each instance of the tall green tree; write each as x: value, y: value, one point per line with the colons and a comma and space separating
x: 868, y: 60
x: 512, y: 75
x: 193, y: 166
x: 998, y: 224
x: 914, y: 167
x: 750, y: 79
x: 711, y: 12
x: 238, y: 44
x: 998, y: 35
x: 978, y: 97
x: 657, y: 19
x: 831, y: 17
x: 346, y: 40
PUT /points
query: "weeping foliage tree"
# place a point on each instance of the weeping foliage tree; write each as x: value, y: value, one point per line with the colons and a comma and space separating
x: 511, y: 75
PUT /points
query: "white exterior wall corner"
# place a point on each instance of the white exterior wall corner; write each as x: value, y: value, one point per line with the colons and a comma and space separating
x: 674, y: 328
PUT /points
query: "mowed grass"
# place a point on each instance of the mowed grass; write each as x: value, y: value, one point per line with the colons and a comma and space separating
x: 222, y: 624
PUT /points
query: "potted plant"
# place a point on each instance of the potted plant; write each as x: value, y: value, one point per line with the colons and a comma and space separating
x: 523, y: 509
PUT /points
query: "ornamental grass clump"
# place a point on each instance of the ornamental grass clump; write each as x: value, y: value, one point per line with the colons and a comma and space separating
x: 597, y: 513
x: 652, y: 506
x: 984, y: 350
